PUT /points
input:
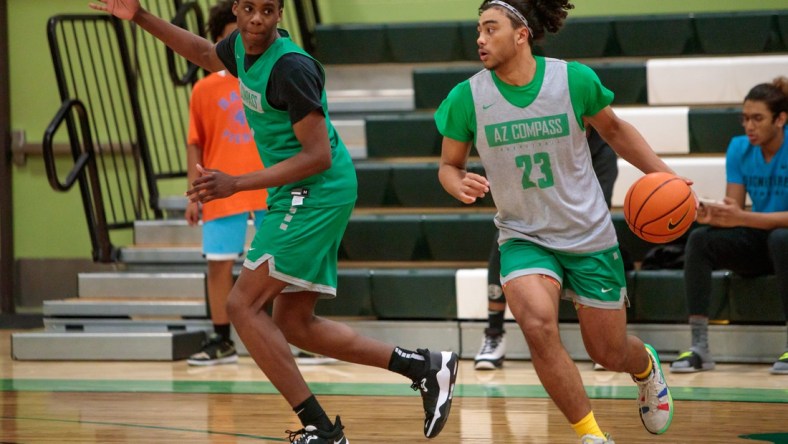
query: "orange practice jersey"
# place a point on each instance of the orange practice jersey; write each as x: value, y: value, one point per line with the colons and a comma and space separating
x: 218, y: 125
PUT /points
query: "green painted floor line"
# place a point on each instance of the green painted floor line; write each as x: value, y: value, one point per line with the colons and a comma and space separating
x: 774, y: 438
x: 140, y: 426
x: 375, y: 389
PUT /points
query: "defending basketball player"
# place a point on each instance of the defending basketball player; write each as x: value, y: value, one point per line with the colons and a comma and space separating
x: 292, y: 261
x: 525, y: 114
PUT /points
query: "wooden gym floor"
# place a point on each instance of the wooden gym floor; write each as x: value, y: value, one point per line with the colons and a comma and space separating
x: 170, y: 402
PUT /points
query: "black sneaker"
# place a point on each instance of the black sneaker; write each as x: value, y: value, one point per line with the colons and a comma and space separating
x: 311, y: 435
x: 215, y: 350
x: 437, y: 388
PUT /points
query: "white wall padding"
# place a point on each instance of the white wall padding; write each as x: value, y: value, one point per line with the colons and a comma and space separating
x: 709, y: 80
x: 665, y: 128
x: 471, y: 291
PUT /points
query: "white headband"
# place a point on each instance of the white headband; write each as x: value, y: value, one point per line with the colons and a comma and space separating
x: 514, y: 11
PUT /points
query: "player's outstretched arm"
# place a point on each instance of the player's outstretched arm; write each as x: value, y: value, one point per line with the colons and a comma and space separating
x: 195, y: 48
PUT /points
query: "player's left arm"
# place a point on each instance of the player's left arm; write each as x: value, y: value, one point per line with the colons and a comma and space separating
x: 591, y: 102
x: 627, y: 141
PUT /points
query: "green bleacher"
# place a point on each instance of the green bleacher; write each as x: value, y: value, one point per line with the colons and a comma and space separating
x: 415, y: 134
x: 410, y: 237
x: 583, y: 37
x: 655, y: 35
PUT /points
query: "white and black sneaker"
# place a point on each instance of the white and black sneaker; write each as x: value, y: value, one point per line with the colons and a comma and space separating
x: 215, y: 351
x: 492, y: 352
x: 311, y: 435
x: 437, y: 388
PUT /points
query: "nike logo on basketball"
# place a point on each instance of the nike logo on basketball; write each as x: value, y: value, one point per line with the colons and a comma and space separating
x: 672, y: 226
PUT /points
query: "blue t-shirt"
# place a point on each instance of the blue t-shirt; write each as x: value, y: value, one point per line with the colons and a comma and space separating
x: 766, y: 183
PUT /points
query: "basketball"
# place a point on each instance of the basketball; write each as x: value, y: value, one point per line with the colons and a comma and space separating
x: 659, y: 207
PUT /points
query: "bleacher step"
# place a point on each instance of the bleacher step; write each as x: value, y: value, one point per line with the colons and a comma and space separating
x: 114, y: 307
x: 141, y: 285
x: 186, y: 257
x: 162, y: 346
x: 169, y: 233
x: 109, y: 325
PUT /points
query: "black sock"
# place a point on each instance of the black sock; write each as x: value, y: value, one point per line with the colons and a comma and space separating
x: 222, y: 330
x: 310, y: 413
x: 495, y: 322
x: 407, y: 363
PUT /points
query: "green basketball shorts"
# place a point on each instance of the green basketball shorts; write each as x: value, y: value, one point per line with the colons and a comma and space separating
x: 594, y: 279
x: 301, y: 244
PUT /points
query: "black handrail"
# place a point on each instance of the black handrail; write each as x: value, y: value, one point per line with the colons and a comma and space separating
x: 125, y: 106
x: 308, y: 16
x: 84, y: 172
x: 97, y: 87
x: 190, y: 76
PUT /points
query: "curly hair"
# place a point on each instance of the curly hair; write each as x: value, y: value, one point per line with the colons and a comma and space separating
x: 774, y: 95
x: 543, y: 15
x: 219, y: 16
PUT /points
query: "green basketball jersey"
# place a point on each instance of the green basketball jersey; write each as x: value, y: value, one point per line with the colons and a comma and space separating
x: 276, y: 141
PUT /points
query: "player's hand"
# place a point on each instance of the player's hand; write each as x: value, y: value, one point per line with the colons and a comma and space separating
x: 122, y: 9
x: 703, y: 214
x: 192, y: 213
x: 473, y: 186
x: 211, y: 185
x: 726, y: 213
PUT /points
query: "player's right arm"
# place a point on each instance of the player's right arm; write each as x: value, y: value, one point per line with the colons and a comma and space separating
x: 456, y: 180
x: 456, y: 122
x: 191, y: 46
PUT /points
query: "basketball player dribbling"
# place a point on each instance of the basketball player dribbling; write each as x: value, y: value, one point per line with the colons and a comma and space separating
x: 525, y: 114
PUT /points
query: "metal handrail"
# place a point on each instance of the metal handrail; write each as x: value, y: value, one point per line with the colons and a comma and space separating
x: 190, y: 76
x: 83, y: 172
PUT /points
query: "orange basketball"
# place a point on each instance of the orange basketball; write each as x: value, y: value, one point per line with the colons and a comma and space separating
x: 659, y: 207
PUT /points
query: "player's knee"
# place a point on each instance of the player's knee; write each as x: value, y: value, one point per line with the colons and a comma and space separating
x: 540, y: 330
